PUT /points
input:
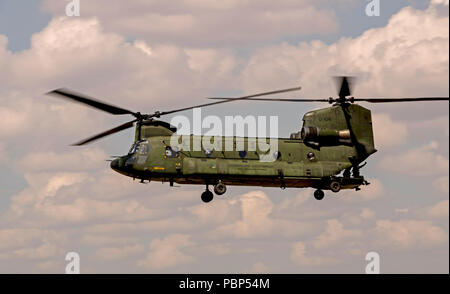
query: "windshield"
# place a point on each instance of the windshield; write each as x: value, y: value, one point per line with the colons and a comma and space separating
x: 140, y: 147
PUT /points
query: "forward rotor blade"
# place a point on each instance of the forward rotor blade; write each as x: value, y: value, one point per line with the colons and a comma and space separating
x: 228, y: 100
x: 80, y: 98
x: 262, y: 94
x: 107, y: 133
x: 387, y: 100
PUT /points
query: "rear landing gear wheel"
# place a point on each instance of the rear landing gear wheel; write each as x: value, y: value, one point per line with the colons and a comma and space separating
x: 220, y: 188
x: 335, y: 186
x: 319, y: 194
x: 207, y: 196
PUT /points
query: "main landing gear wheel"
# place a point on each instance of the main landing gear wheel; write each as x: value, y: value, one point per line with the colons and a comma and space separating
x: 207, y: 196
x: 319, y: 194
x: 335, y: 186
x: 220, y: 188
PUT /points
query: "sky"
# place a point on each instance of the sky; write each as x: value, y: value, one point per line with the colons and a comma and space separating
x: 159, y: 55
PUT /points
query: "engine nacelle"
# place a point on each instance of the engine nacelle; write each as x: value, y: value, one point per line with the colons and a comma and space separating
x: 347, y: 125
x: 316, y: 134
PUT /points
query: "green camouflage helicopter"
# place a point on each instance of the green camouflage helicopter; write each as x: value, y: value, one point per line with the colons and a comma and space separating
x: 332, y: 141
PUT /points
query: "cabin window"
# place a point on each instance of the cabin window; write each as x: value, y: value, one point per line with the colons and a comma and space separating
x: 277, y: 155
x: 208, y: 152
x: 242, y: 153
x: 311, y: 156
x: 171, y: 152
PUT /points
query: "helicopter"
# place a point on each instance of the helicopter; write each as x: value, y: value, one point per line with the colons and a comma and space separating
x: 327, y: 153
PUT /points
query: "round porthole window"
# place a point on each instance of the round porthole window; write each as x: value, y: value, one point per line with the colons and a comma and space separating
x: 310, y: 156
x: 277, y: 155
x: 208, y: 152
x: 171, y: 153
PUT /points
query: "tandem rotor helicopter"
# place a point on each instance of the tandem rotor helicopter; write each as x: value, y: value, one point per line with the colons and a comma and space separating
x: 332, y: 140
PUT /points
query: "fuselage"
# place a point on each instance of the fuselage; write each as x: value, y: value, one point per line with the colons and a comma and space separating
x: 297, y: 161
x: 294, y: 164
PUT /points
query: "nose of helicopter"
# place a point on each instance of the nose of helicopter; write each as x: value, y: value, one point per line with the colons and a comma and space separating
x: 115, y: 164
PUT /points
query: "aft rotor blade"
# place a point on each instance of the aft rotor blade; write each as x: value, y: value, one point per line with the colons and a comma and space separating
x: 387, y: 100
x: 370, y: 100
x: 80, y: 98
x: 276, y: 99
x: 345, y: 85
x: 107, y: 133
x: 229, y: 100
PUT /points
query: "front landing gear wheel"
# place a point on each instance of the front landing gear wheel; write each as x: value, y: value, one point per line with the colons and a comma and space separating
x: 220, y: 188
x: 207, y: 196
x: 319, y: 194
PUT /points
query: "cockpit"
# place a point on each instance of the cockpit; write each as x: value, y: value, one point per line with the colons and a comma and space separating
x: 140, y: 148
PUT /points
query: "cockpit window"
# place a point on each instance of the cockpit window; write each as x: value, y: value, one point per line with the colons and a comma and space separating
x: 143, y: 148
x: 140, y: 147
x: 133, y: 148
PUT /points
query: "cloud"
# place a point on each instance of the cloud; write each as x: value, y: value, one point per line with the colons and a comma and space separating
x: 373, y: 191
x: 12, y: 122
x: 70, y: 197
x: 405, y: 234
x: 78, y: 160
x: 175, y: 215
x: 31, y: 243
x: 432, y: 126
x: 439, y: 2
x: 388, y: 133
x: 219, y: 249
x: 116, y: 253
x: 167, y: 252
x: 255, y: 209
x: 381, y: 58
x: 436, y: 211
x: 334, y: 234
x: 359, y: 219
x: 124, y: 73
x: 74, y: 52
x: 422, y: 161
x: 260, y: 268
x: 367, y: 213
x: 208, y: 23
x: 43, y: 251
x: 82, y: 210
x: 257, y: 220
x: 25, y: 121
x: 300, y: 257
x: 107, y: 240
x: 2, y: 152
x: 441, y: 184
x: 43, y: 187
